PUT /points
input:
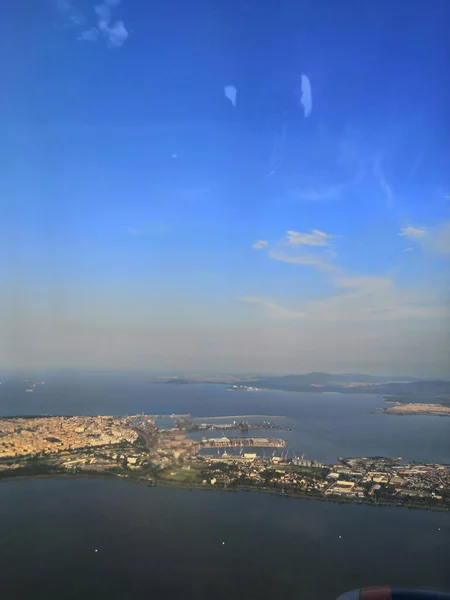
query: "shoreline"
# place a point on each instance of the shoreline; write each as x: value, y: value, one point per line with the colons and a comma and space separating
x: 210, y: 488
x: 431, y: 410
x: 412, y: 414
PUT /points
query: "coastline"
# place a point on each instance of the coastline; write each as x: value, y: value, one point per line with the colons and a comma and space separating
x: 410, y: 409
x: 412, y: 414
x: 142, y: 453
x: 241, y: 489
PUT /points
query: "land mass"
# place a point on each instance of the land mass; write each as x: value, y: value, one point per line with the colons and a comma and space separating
x: 136, y: 449
x: 438, y: 410
x: 403, y: 389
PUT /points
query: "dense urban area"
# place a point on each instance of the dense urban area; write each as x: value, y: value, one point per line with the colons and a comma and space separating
x: 135, y: 448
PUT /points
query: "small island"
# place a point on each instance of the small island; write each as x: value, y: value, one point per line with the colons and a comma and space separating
x: 136, y: 449
x: 438, y: 410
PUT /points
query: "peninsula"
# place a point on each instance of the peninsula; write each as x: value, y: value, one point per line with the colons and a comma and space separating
x: 438, y: 410
x: 135, y: 448
x: 401, y: 389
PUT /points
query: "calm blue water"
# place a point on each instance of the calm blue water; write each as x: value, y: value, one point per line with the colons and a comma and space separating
x: 163, y: 543
x: 160, y: 543
x: 324, y: 426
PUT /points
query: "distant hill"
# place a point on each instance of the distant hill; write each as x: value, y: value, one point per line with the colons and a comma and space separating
x: 317, y: 378
x: 406, y: 389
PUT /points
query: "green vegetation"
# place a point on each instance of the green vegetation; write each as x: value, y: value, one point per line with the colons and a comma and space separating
x: 183, y: 475
x: 30, y: 469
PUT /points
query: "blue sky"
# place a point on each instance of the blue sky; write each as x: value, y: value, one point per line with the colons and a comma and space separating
x: 149, y: 222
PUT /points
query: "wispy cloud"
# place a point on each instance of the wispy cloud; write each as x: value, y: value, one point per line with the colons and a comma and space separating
x: 73, y: 16
x: 273, y: 310
x: 113, y: 32
x: 434, y: 240
x: 90, y: 35
x: 413, y: 233
x: 291, y: 249
x: 318, y: 193
x: 357, y: 298
x: 260, y: 244
x: 315, y: 238
x: 305, y: 259
x: 116, y: 34
x: 360, y: 299
x: 383, y: 182
x: 374, y: 299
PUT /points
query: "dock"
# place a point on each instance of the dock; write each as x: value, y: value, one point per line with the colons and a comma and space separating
x: 241, y: 442
x: 172, y: 416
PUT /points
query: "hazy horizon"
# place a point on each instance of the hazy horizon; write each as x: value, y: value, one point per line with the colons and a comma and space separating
x: 30, y: 374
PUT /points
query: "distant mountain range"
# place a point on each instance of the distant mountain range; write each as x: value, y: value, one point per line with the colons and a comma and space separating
x: 408, y: 389
x: 317, y: 378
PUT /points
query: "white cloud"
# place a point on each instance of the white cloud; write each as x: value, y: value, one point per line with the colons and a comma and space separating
x: 306, y: 259
x: 306, y: 98
x: 231, y: 94
x: 359, y: 299
x: 274, y: 311
x: 260, y: 244
x: 90, y: 35
x: 413, y: 233
x: 115, y: 33
x: 409, y: 249
x: 362, y: 299
x: 290, y: 249
x: 433, y: 240
x: 315, y: 238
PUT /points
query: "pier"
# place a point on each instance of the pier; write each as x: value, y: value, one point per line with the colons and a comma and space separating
x: 172, y: 416
x: 241, y: 442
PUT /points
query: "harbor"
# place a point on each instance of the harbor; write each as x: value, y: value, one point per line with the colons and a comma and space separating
x: 243, y: 426
x: 242, y: 442
x: 135, y: 448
